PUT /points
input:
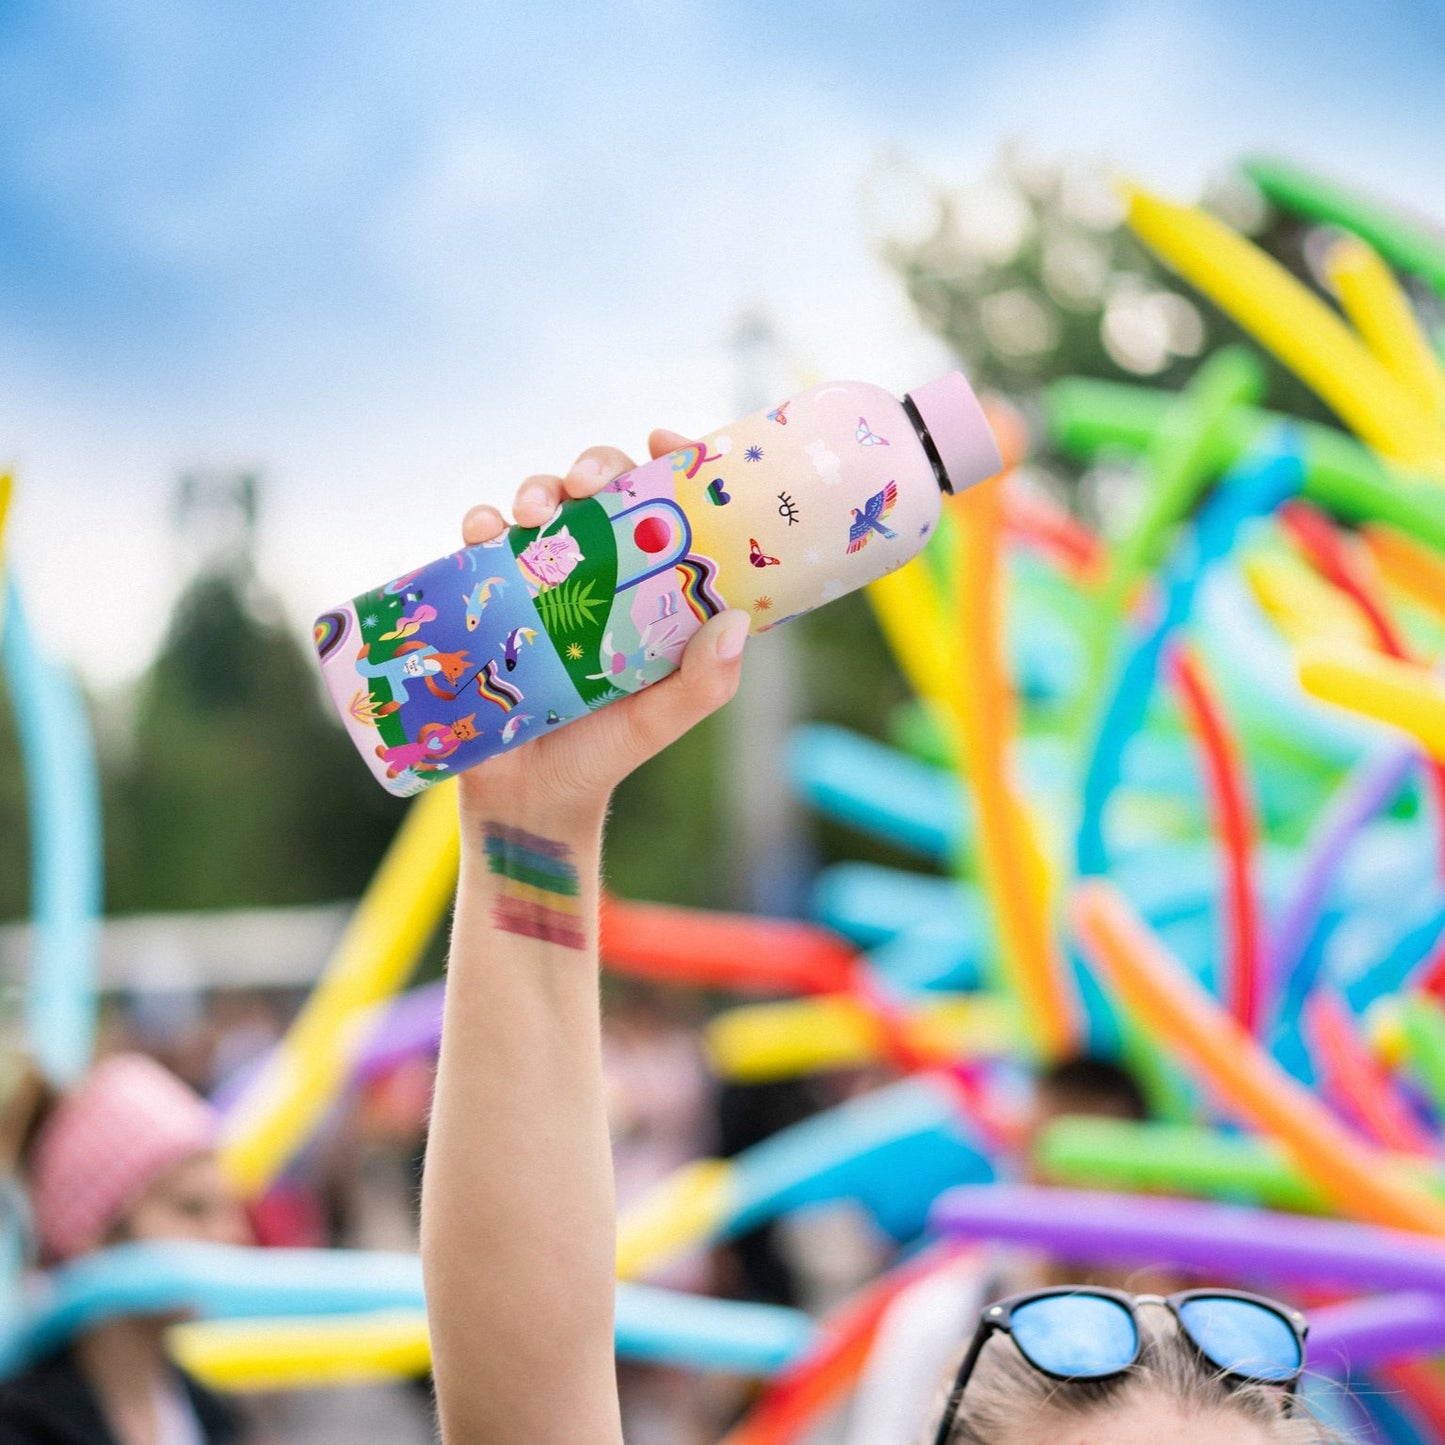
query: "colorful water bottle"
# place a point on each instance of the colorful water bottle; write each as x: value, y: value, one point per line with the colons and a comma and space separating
x: 776, y: 514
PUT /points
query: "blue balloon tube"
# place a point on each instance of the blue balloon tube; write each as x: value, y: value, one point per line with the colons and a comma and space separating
x: 63, y: 786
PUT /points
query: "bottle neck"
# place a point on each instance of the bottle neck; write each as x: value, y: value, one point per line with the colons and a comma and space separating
x: 929, y: 448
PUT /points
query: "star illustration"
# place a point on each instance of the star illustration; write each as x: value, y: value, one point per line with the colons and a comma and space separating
x: 762, y: 604
x: 574, y: 651
x: 924, y: 529
x: 368, y: 622
x: 754, y: 454
x: 812, y: 556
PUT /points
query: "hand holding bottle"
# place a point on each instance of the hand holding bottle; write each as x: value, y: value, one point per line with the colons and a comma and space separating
x: 593, y: 596
x: 573, y: 770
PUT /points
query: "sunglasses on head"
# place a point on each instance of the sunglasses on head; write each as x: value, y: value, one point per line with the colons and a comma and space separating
x: 1093, y: 1334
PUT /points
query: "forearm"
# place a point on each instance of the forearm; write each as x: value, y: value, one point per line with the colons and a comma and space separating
x: 517, y: 1218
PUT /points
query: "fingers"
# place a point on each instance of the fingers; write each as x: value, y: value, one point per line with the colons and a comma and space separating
x: 594, y: 469
x: 663, y: 441
x: 537, y: 499
x: 539, y: 496
x: 481, y: 524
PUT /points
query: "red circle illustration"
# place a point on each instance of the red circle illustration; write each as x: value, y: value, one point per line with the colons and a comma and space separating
x: 652, y: 534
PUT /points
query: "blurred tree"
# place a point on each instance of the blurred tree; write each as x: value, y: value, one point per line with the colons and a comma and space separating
x: 238, y: 787
x: 14, y: 821
x: 1031, y: 275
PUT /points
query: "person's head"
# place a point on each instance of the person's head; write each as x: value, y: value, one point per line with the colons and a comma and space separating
x: 1086, y: 1084
x: 130, y: 1154
x: 1171, y: 1391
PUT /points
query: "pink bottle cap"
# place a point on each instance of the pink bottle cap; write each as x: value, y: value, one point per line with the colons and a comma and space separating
x: 958, y: 429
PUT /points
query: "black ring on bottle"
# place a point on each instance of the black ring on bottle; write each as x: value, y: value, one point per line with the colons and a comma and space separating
x: 930, y: 450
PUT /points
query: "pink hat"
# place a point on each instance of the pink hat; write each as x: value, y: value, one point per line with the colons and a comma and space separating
x: 127, y: 1121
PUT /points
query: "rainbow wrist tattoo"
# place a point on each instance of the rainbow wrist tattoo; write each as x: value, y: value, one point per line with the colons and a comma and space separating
x: 539, y: 889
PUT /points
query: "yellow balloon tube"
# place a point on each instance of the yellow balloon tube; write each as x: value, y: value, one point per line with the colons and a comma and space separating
x: 7, y: 487
x: 1401, y: 694
x: 910, y: 612
x: 1301, y: 604
x: 1374, y: 301
x: 764, y: 1042
x: 396, y: 916
x: 1284, y: 316
x: 682, y: 1213
x: 303, y: 1353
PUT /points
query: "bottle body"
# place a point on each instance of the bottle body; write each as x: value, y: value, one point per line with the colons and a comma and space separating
x: 494, y: 645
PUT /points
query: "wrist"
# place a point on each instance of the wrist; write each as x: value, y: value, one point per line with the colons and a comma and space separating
x: 577, y: 823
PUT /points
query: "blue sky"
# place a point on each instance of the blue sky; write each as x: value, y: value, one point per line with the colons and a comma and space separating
x: 398, y: 256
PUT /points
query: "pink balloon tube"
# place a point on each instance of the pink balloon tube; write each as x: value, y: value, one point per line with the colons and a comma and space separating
x: 776, y: 514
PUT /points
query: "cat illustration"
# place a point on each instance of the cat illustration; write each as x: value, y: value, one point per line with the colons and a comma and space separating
x: 435, y: 742
x: 549, y: 561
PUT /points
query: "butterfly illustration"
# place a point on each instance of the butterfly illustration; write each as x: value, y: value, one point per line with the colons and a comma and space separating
x: 870, y: 520
x: 867, y: 437
x: 758, y: 557
x: 779, y: 414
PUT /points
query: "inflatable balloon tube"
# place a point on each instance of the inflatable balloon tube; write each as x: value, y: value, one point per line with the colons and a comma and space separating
x: 1191, y: 1159
x: 398, y: 913
x: 1355, y: 1083
x: 1090, y: 1227
x: 1250, y: 490
x: 1009, y: 857
x: 1421, y: 1021
x: 1302, y: 606
x: 1381, y: 312
x: 210, y: 1280
x: 1415, y: 570
x: 1422, y: 1387
x: 893, y: 1150
x: 1325, y: 549
x: 1402, y: 694
x: 719, y: 950
x: 879, y: 791
x: 761, y: 1043
x: 304, y: 1353
x: 1227, y: 788
x: 1358, y: 1180
x: 1087, y: 417
x: 297, y: 1318
x: 811, y: 1385
x: 1368, y: 791
x: 63, y: 789
x: 1182, y: 457
x: 911, y: 613
x: 1410, y: 245
x: 1290, y: 321
x: 661, y: 1327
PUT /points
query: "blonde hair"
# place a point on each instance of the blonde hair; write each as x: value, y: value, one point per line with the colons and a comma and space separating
x: 1006, y: 1397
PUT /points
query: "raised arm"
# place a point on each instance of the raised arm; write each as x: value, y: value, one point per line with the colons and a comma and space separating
x: 517, y: 1203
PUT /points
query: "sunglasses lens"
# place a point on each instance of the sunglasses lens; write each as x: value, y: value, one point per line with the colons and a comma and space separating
x: 1243, y: 1338
x: 1080, y: 1335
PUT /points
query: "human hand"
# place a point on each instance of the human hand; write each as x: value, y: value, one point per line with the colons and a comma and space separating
x: 569, y: 773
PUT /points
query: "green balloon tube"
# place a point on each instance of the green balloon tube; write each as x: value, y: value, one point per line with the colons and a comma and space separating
x: 1087, y: 417
x: 1181, y: 1159
x: 1404, y: 243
